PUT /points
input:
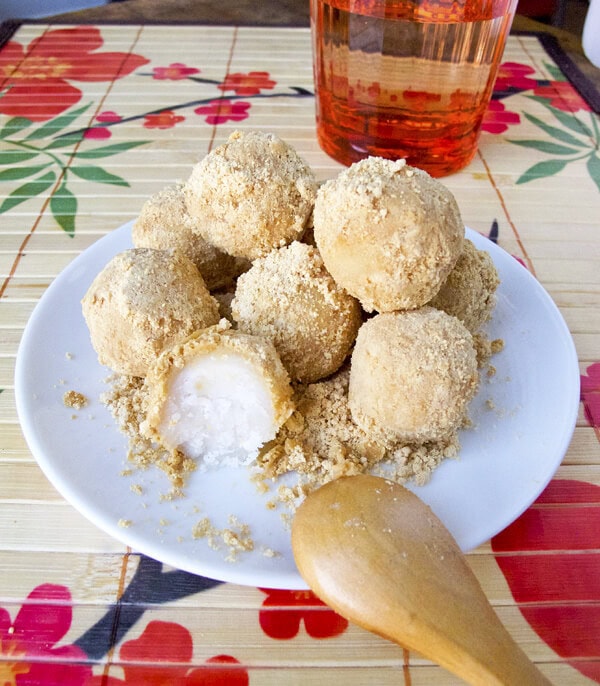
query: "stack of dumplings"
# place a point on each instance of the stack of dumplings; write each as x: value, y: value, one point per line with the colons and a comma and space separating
x: 249, y: 282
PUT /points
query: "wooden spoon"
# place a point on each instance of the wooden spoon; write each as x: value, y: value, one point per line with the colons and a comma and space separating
x: 377, y: 554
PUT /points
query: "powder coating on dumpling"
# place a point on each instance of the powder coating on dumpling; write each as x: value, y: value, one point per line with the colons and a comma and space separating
x: 142, y: 302
x: 251, y: 194
x: 412, y: 375
x: 164, y: 223
x: 469, y: 292
x: 290, y: 298
x: 388, y: 233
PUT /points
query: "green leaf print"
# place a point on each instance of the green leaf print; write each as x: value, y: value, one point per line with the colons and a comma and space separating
x: 63, y: 205
x: 566, y: 119
x: 16, y: 156
x: 593, y: 166
x: 542, y: 170
x: 16, y: 173
x: 546, y: 146
x: 64, y: 141
x: 14, y: 125
x: 27, y: 191
x: 57, y: 147
x: 92, y: 173
x: 107, y: 150
x: 555, y: 72
x: 559, y: 134
x: 57, y: 124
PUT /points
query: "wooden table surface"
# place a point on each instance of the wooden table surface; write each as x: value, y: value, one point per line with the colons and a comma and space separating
x: 132, y: 108
x: 243, y: 13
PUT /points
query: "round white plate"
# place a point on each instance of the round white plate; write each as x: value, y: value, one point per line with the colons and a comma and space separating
x: 523, y: 418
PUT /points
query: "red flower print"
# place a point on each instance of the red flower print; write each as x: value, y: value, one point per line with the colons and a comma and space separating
x: 497, y: 118
x: 247, y: 84
x: 514, y: 75
x: 283, y: 612
x: 102, y: 132
x: 162, y: 120
x: 548, y: 558
x: 171, y: 644
x: 590, y: 394
x: 108, y: 117
x: 174, y: 72
x: 28, y: 656
x: 563, y: 96
x: 221, y: 111
x: 219, y: 676
x: 36, y: 81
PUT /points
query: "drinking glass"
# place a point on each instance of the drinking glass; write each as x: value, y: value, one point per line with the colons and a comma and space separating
x: 406, y: 78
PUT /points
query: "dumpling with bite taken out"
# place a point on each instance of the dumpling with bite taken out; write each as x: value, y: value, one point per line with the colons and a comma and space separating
x: 218, y: 396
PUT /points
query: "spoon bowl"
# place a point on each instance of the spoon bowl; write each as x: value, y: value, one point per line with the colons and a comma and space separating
x: 378, y: 555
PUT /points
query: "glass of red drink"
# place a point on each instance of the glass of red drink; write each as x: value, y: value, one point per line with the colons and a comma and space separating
x: 406, y: 78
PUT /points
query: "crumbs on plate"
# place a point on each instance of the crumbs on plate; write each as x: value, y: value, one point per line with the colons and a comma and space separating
x: 236, y: 537
x: 74, y: 400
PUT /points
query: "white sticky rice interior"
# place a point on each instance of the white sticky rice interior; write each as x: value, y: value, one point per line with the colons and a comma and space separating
x: 219, y: 411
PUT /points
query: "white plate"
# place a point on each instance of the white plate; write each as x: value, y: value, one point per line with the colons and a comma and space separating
x: 505, y: 462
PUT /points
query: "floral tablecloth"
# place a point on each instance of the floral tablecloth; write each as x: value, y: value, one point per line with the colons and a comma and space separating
x: 94, y: 120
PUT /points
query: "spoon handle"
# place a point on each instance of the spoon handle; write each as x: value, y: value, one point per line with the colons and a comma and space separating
x: 492, y: 660
x: 469, y: 641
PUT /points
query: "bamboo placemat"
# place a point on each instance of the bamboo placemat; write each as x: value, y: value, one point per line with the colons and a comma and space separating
x: 122, y: 111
